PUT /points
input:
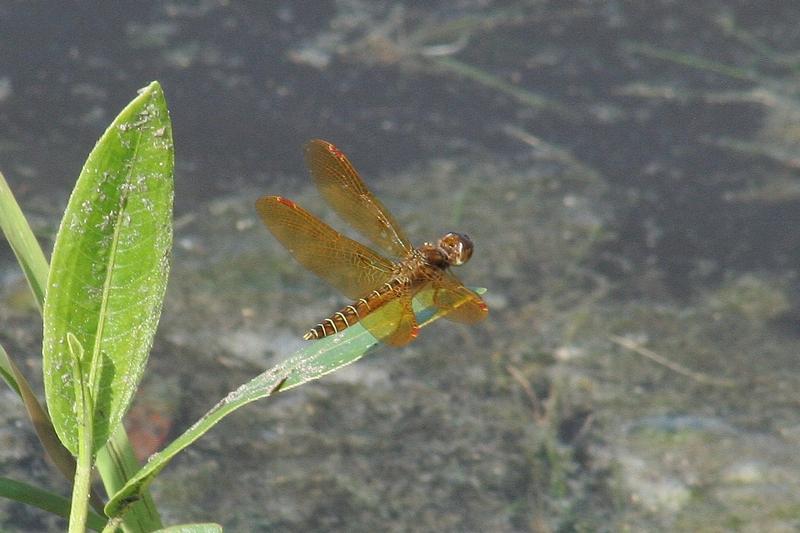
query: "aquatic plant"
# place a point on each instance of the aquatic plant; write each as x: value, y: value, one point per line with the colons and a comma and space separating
x: 101, y: 299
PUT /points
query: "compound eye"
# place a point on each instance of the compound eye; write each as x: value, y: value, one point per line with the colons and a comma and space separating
x: 457, y: 248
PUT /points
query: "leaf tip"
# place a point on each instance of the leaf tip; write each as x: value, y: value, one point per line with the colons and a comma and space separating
x: 152, y: 88
x: 75, y: 347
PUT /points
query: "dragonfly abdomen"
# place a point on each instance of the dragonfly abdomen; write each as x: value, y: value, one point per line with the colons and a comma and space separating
x: 349, y: 315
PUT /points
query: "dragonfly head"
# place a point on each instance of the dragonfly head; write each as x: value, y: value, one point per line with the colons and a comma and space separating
x: 456, y: 248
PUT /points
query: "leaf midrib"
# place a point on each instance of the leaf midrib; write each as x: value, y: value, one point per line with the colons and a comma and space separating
x: 107, y: 284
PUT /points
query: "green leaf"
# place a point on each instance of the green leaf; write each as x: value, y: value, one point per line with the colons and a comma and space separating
x: 115, y: 464
x: 109, y: 266
x: 23, y: 242
x: 53, y: 503
x: 312, y: 362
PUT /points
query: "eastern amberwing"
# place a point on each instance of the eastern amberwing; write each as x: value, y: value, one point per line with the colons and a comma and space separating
x: 381, y: 289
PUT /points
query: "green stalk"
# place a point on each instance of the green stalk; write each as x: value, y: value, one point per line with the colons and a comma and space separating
x: 116, y: 464
x: 83, y: 470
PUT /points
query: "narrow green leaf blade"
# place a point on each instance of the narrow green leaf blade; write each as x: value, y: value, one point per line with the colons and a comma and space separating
x: 24, y: 244
x: 312, y: 362
x: 7, y: 372
x: 41, y: 423
x: 53, y: 503
x: 109, y: 267
x: 116, y: 463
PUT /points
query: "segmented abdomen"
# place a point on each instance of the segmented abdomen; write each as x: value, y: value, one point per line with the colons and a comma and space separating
x: 349, y: 315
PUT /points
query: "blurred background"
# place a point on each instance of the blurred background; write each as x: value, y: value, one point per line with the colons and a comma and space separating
x: 629, y: 172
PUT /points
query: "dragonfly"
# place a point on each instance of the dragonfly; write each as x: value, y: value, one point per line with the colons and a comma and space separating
x: 381, y: 289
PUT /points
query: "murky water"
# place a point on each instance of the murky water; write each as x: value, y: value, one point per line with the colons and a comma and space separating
x: 628, y: 171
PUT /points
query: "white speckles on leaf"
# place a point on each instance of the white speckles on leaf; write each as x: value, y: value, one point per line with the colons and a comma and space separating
x: 125, y: 190
x: 106, y: 221
x: 94, y: 292
x: 107, y: 275
x: 75, y: 224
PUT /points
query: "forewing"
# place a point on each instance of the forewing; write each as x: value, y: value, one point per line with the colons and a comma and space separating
x: 346, y: 264
x: 342, y: 187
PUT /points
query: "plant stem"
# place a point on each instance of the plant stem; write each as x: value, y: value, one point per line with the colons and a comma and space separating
x: 80, y: 489
x: 83, y: 468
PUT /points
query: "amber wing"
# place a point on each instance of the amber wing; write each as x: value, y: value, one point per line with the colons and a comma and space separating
x: 346, y: 264
x: 454, y: 301
x: 342, y: 187
x: 394, y: 322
